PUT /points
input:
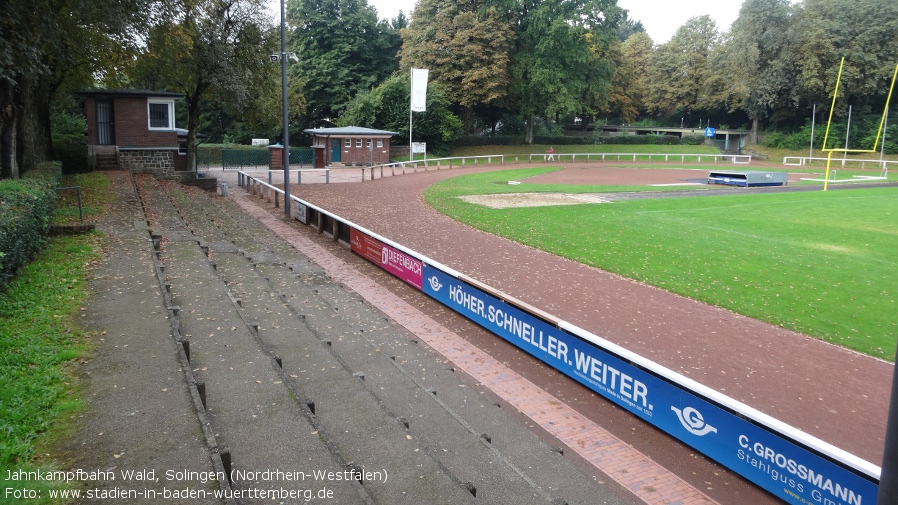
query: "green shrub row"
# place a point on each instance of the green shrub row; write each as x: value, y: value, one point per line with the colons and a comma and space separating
x: 26, y: 207
x: 558, y: 140
x: 666, y: 140
x: 490, y: 140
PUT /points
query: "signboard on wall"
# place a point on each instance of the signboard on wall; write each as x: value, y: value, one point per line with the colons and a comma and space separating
x: 300, y: 212
x: 390, y: 259
x: 260, y: 142
x: 419, y: 147
x: 787, y: 470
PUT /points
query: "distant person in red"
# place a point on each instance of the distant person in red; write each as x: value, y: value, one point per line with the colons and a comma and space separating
x: 551, y: 152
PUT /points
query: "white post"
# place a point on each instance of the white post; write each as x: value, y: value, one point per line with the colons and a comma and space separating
x: 847, y: 131
x: 813, y: 120
x: 885, y: 126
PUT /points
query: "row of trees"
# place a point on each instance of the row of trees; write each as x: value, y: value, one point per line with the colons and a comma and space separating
x: 519, y: 64
x: 496, y: 65
x: 776, y: 62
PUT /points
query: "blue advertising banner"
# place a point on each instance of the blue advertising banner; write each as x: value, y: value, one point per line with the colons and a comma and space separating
x: 787, y: 470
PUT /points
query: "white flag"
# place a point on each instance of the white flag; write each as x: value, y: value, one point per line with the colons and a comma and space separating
x: 419, y: 89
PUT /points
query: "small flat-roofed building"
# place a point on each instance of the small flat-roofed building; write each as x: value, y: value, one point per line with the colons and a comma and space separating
x: 350, y: 145
x: 135, y: 126
x: 134, y: 129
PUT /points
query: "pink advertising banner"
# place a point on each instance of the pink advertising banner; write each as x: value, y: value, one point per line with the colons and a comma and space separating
x: 392, y: 260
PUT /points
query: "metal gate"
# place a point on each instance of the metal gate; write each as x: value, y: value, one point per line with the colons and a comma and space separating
x: 105, y: 130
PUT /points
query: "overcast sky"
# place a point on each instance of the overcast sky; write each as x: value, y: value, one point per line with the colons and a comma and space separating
x: 661, y: 18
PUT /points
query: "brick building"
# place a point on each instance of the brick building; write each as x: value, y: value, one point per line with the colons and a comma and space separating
x: 135, y: 130
x: 350, y: 145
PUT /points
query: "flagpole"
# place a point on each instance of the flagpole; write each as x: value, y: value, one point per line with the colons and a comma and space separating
x: 411, y: 98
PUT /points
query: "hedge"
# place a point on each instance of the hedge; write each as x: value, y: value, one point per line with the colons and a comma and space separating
x: 26, y: 207
x: 513, y: 140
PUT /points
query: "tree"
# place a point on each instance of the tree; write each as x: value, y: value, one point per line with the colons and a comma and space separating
x: 386, y: 107
x: 620, y: 102
x: 637, y: 54
x: 342, y: 51
x: 558, y: 63
x: 864, y: 32
x: 681, y: 78
x: 465, y: 45
x: 756, y: 62
x: 45, y: 45
x: 203, y: 47
x: 629, y: 27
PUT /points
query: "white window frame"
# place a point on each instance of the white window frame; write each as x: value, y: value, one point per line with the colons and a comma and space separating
x: 368, y: 143
x: 347, y: 142
x: 358, y: 142
x: 171, y: 113
x: 380, y: 143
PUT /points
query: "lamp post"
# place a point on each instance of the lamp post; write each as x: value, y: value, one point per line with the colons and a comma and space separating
x: 286, y: 153
x: 888, y: 485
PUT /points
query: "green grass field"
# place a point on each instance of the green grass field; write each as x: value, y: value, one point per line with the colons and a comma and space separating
x: 822, y: 263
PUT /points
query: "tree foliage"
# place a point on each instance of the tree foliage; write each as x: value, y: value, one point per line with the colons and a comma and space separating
x: 514, y: 63
x: 386, y: 107
x: 343, y: 50
x: 636, y: 53
x: 681, y: 75
x: 864, y: 32
x: 205, y: 48
x: 755, y: 58
x: 559, y: 62
x: 466, y: 45
x: 48, y: 47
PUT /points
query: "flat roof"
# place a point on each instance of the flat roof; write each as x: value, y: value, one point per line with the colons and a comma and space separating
x: 130, y: 92
x: 349, y: 130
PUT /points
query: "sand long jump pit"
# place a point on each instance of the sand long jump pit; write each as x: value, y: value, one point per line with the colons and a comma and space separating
x: 513, y: 200
x: 586, y: 175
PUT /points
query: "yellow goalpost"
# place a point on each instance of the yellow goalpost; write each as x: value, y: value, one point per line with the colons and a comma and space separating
x: 830, y: 151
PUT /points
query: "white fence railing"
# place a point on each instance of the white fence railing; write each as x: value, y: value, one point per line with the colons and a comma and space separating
x: 318, y: 175
x: 804, y: 161
x: 463, y: 161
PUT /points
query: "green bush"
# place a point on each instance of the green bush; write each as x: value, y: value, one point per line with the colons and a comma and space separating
x: 26, y: 207
x: 490, y: 140
x: 70, y: 141
x: 693, y: 140
x: 640, y: 140
x: 666, y: 140
x: 561, y: 140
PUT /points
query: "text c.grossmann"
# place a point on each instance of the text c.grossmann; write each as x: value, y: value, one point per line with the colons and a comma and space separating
x: 800, y: 471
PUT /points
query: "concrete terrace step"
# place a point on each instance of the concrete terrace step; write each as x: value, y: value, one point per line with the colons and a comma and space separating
x: 253, y: 405
x: 330, y: 385
x: 325, y: 334
x: 250, y: 411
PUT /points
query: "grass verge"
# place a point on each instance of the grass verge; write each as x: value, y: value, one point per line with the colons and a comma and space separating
x: 819, y: 263
x: 40, y: 342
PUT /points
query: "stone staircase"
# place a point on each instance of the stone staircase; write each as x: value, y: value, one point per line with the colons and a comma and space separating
x: 106, y: 160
